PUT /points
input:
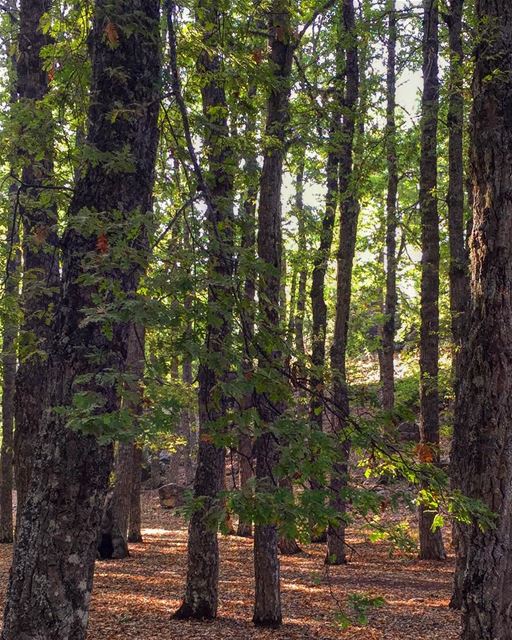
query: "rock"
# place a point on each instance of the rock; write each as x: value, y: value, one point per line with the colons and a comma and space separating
x: 172, y: 495
x: 409, y: 432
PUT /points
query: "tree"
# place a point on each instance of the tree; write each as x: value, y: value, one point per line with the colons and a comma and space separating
x: 388, y: 329
x: 483, y: 413
x: 201, y: 595
x: 103, y: 248
x: 431, y: 542
x: 40, y: 242
x: 459, y: 282
x: 116, y: 516
x: 345, y: 257
x: 267, y: 603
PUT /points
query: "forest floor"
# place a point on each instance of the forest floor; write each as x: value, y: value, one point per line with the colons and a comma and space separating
x: 134, y: 598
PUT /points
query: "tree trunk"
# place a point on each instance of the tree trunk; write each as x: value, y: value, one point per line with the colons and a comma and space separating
x: 431, y: 543
x: 483, y: 412
x: 10, y: 332
x: 201, y: 596
x: 300, y: 308
x: 345, y: 258
x: 135, y: 521
x: 245, y: 442
x: 459, y: 282
x: 267, y: 604
x: 113, y: 541
x: 40, y: 253
x: 51, y: 578
x: 387, y: 372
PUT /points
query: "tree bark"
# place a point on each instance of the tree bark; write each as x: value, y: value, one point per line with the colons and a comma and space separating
x: 201, y: 595
x: 51, y: 578
x: 267, y: 604
x: 387, y: 373
x: 483, y: 412
x: 346, y: 249
x: 431, y: 543
x: 40, y: 253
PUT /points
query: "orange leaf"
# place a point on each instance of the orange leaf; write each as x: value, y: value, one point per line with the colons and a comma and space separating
x: 424, y: 453
x: 257, y: 56
x: 102, y: 245
x: 112, y: 33
x: 51, y: 73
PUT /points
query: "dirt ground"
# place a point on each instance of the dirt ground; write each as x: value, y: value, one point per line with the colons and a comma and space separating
x: 134, y: 598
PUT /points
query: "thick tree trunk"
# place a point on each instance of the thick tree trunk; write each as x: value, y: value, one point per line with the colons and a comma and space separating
x: 40, y: 254
x: 135, y: 520
x: 483, y: 412
x: 51, y: 579
x: 345, y: 258
x: 387, y: 372
x: 431, y: 543
x: 201, y: 594
x: 10, y: 332
x: 267, y: 604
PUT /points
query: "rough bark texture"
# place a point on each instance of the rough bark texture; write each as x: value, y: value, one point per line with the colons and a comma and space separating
x: 459, y: 282
x: 267, y: 603
x: 40, y: 258
x: 51, y: 579
x: 387, y: 369
x: 483, y: 413
x: 431, y: 543
x: 345, y: 258
x: 10, y: 332
x: 201, y: 596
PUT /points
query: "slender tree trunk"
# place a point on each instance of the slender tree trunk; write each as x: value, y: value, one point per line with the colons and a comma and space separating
x: 114, y: 528
x: 135, y: 521
x: 483, y: 412
x: 459, y: 282
x: 300, y: 308
x: 388, y: 329
x: 345, y: 258
x: 10, y: 332
x: 249, y: 255
x: 40, y: 255
x: 431, y: 543
x: 51, y: 578
x: 267, y: 604
x: 201, y: 596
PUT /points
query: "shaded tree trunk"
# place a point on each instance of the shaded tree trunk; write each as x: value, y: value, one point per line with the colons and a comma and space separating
x: 431, y: 543
x: 51, y: 578
x: 346, y: 249
x: 267, y: 604
x: 201, y: 595
x: 387, y: 372
x: 459, y: 282
x: 40, y: 254
x: 483, y: 412
x: 113, y: 541
x: 245, y: 442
